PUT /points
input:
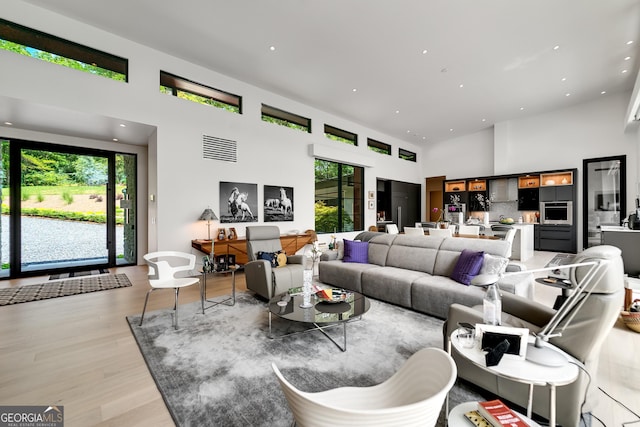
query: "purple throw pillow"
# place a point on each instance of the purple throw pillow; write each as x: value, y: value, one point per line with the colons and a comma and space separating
x: 468, y: 266
x: 356, y: 251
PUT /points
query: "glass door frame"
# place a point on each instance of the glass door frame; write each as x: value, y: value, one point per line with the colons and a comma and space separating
x: 15, y: 222
x: 586, y: 190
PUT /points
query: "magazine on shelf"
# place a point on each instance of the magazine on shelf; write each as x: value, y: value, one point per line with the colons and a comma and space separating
x: 499, y: 414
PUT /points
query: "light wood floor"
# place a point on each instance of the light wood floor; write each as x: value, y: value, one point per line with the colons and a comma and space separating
x: 78, y: 351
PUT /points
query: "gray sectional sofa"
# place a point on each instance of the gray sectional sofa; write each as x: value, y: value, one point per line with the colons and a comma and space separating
x: 413, y: 271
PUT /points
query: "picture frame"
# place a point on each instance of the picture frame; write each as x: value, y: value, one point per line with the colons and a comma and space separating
x: 278, y: 203
x: 232, y: 234
x: 372, y: 195
x: 238, y: 202
x: 222, y: 234
x: 518, y: 337
x: 372, y: 204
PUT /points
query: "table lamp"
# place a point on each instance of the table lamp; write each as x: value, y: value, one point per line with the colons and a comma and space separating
x: 208, y: 215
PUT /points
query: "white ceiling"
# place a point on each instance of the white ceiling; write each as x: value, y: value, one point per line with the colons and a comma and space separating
x: 422, y: 70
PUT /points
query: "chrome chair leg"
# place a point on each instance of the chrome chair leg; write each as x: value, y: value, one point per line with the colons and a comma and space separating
x: 146, y: 300
x: 175, y: 310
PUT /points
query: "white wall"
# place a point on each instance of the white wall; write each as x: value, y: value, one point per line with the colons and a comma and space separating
x: 182, y: 182
x: 461, y: 157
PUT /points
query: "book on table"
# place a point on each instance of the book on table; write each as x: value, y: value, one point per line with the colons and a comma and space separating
x: 499, y: 414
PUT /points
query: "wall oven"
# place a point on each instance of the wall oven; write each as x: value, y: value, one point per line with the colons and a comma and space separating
x: 556, y: 213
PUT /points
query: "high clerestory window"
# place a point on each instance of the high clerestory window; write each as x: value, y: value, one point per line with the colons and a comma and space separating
x: 36, y: 44
x: 197, y: 92
x: 407, y: 155
x: 340, y: 135
x: 284, y: 118
x: 378, y: 147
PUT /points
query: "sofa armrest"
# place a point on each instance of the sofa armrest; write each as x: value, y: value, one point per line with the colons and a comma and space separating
x: 295, y: 259
x: 259, y: 277
x: 527, y: 310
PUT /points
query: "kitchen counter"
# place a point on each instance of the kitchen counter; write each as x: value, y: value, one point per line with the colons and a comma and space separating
x: 522, y: 247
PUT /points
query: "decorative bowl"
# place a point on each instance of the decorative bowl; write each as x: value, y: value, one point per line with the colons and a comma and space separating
x: 507, y: 221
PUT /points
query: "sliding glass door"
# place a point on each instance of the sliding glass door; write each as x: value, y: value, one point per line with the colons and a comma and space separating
x: 66, y: 208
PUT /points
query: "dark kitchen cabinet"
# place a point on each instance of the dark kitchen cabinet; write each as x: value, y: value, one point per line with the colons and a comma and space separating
x: 528, y: 199
x: 557, y: 238
x: 556, y: 193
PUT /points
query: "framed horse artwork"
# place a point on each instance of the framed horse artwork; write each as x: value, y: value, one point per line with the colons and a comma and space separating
x: 238, y: 202
x: 278, y: 203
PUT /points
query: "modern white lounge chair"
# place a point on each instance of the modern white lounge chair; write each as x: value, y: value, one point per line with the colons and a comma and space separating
x: 413, y: 396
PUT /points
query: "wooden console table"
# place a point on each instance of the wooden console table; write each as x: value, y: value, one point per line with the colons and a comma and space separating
x: 291, y: 243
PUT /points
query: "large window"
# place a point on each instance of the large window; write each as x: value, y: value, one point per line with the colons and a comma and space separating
x: 43, y: 46
x: 338, y: 197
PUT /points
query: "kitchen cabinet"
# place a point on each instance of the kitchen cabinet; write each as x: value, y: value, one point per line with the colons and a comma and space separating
x: 559, y: 193
x: 478, y: 195
x: 557, y: 238
x: 455, y: 192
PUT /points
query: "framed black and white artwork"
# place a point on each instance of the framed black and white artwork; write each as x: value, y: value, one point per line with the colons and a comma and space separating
x: 278, y: 203
x: 238, y: 202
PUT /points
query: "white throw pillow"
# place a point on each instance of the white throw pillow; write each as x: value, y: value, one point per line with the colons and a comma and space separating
x: 494, y: 264
x: 340, y: 248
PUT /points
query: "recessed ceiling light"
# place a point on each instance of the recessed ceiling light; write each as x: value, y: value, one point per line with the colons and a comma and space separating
x: 272, y: 48
x: 354, y: 90
x: 484, y: 120
x: 8, y: 123
x: 424, y: 52
x: 603, y: 92
x: 461, y: 85
x: 630, y: 42
x: 624, y: 71
x: 122, y: 125
x: 424, y: 137
x: 451, y: 130
x: 521, y: 108
x: 556, y: 47
x: 564, y: 79
x: 115, y: 139
x: 408, y: 131
x: 567, y: 94
x: 397, y: 111
x: 627, y: 58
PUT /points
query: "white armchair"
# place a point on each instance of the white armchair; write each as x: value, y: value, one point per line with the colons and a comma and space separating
x: 413, y: 396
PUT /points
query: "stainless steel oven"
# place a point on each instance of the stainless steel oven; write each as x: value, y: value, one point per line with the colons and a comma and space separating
x: 556, y: 213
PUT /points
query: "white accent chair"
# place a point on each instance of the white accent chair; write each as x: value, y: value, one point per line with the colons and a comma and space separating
x: 470, y: 230
x: 440, y: 232
x: 163, y: 268
x: 413, y: 396
x: 414, y: 231
x: 392, y: 229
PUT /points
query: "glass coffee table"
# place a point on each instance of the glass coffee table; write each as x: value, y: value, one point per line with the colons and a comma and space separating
x: 321, y: 315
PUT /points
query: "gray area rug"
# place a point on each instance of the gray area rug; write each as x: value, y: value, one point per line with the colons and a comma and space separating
x: 216, y: 369
x: 62, y: 288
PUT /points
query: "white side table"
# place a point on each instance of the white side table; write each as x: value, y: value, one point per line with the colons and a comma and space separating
x: 523, y: 371
x: 457, y: 418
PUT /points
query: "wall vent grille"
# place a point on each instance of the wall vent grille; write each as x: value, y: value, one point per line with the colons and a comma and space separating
x: 214, y: 148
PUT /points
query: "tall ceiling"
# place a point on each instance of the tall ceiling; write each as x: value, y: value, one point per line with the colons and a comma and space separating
x: 418, y: 70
